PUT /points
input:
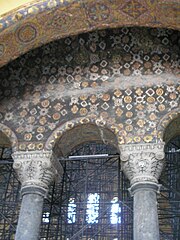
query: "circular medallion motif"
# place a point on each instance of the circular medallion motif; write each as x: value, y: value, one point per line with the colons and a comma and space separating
x: 27, y: 33
x: 98, y: 12
x: 2, y: 48
x: 60, y: 21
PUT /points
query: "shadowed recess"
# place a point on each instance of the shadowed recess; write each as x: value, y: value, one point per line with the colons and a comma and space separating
x: 83, y: 134
x: 172, y: 130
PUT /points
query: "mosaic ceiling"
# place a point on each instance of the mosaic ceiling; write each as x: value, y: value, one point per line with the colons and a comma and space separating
x: 124, y: 79
x: 40, y: 22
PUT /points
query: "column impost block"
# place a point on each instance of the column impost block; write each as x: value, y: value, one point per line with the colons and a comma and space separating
x: 142, y: 162
x: 36, y: 168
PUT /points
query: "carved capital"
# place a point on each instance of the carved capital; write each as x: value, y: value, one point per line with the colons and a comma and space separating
x: 36, y: 168
x: 142, y: 162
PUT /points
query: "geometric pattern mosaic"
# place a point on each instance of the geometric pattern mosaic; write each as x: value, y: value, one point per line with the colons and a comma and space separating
x: 126, y: 77
x: 40, y: 22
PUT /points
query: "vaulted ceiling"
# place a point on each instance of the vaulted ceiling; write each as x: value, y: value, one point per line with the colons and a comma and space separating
x: 39, y: 22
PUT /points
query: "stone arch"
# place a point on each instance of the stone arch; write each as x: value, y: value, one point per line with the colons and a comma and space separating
x: 166, y: 122
x: 87, y: 129
x: 38, y: 23
x: 9, y: 137
x: 172, y: 130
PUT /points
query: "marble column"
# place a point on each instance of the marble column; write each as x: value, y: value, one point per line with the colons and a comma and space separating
x: 35, y: 170
x: 143, y: 164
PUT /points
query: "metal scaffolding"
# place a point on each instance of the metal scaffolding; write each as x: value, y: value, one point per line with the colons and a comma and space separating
x: 97, y: 175
x: 9, y: 196
x: 169, y: 198
x: 67, y: 211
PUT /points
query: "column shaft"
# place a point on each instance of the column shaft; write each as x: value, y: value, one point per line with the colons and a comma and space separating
x: 30, y: 217
x: 146, y: 225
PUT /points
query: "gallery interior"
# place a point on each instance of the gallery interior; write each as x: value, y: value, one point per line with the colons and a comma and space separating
x: 90, y: 120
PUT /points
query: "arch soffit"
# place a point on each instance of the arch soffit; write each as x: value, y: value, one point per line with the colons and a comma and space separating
x: 99, y: 125
x: 40, y: 22
x: 166, y: 121
x: 10, y: 136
